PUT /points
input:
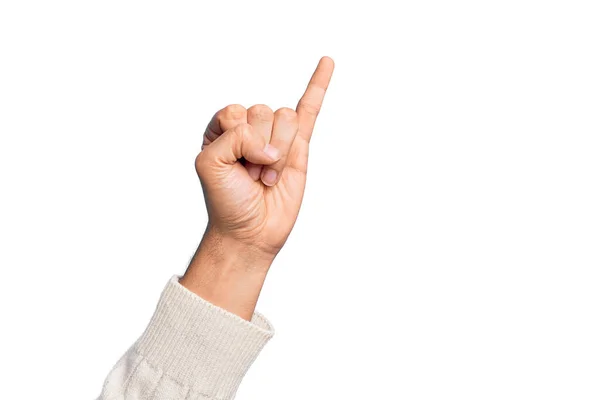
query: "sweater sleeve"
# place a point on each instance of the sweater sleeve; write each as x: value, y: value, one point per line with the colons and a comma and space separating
x: 191, y: 349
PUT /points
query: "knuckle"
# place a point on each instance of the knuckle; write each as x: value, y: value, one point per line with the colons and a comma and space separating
x: 243, y: 130
x: 310, y: 108
x: 286, y: 113
x: 233, y: 111
x: 261, y: 112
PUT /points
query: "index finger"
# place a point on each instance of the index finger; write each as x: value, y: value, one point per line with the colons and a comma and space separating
x: 310, y: 104
x: 224, y: 120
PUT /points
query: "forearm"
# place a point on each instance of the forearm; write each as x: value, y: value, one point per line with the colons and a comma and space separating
x: 227, y: 273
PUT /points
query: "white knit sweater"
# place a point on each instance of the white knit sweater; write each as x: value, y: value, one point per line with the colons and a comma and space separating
x: 191, y: 349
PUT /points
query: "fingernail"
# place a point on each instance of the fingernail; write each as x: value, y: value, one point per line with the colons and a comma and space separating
x: 254, y: 171
x: 272, y: 152
x: 269, y: 176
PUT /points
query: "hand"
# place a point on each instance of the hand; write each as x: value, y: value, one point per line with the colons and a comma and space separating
x: 252, y: 168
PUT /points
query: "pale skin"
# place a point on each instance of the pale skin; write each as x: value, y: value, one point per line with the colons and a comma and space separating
x: 252, y: 168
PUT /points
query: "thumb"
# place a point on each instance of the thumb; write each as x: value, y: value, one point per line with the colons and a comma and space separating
x: 238, y: 142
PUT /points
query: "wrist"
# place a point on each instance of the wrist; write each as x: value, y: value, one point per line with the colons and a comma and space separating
x: 227, y: 273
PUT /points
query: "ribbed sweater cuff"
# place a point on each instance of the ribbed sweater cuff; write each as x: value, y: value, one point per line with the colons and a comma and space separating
x: 200, y: 345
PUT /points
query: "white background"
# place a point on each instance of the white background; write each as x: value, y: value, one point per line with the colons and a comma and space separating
x: 449, y: 242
